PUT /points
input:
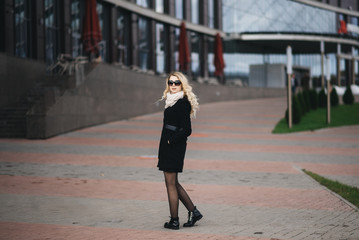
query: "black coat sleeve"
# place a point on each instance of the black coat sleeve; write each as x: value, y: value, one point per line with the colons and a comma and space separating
x: 184, y: 123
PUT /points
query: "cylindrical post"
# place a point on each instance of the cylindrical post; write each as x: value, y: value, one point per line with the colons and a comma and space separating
x: 339, y: 50
x: 338, y: 71
x: 353, y: 65
x: 353, y: 70
x: 289, y: 93
x: 328, y: 90
x: 322, y: 61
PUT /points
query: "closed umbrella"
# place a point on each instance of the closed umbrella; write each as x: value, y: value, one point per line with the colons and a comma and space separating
x: 343, y: 27
x: 91, y: 34
x: 218, y: 56
x: 183, y: 49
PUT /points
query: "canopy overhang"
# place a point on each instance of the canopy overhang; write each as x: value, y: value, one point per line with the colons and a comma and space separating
x: 276, y: 43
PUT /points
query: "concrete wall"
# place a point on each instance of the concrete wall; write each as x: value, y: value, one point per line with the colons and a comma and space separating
x: 17, y: 76
x: 110, y: 93
x: 267, y: 75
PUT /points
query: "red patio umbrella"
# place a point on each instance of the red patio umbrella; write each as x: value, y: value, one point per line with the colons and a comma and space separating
x: 183, y: 49
x: 218, y: 56
x: 343, y: 27
x: 91, y: 34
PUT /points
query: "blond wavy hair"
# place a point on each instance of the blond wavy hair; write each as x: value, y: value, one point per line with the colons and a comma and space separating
x: 187, y: 90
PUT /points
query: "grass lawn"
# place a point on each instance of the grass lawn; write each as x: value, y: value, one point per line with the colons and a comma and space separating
x: 348, y: 192
x: 341, y: 115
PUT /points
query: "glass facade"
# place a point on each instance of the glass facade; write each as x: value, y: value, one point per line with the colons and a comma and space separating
x: 195, y: 53
x: 122, y: 37
x: 143, y: 42
x: 179, y: 9
x: 22, y: 28
x: 211, y: 13
x: 194, y: 11
x: 76, y: 16
x: 160, y: 52
x: 159, y: 6
x: 276, y: 16
x: 176, y: 54
x: 51, y: 31
x: 143, y: 3
x: 103, y: 13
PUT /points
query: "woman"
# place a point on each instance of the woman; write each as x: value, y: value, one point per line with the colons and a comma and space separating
x: 181, y: 105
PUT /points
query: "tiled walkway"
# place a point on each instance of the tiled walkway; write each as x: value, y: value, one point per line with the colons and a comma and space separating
x: 102, y: 182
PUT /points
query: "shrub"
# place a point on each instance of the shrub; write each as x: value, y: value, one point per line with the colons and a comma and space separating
x: 348, y: 97
x: 302, y: 103
x: 322, y: 99
x: 334, y: 99
x: 313, y: 96
x: 307, y: 99
x: 296, y: 111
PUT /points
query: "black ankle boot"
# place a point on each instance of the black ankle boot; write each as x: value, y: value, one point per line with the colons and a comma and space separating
x: 173, y: 224
x: 193, y: 217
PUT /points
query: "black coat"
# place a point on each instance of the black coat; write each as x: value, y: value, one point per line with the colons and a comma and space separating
x: 171, y: 156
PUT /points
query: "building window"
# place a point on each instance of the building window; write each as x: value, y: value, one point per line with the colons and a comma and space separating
x: 103, y: 12
x: 160, y: 45
x: 195, y: 48
x: 179, y: 9
x: 51, y: 31
x: 143, y: 42
x: 354, y: 21
x: 22, y: 28
x: 122, y: 36
x: 77, y: 10
x: 143, y: 3
x: 210, y: 13
x: 159, y: 6
x: 176, y: 52
x: 194, y: 11
x: 210, y: 59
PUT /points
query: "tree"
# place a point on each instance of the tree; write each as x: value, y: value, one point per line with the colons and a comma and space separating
x: 296, y: 111
x: 348, y: 97
x: 334, y: 99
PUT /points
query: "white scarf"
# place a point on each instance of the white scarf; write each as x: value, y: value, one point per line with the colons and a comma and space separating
x: 171, y: 99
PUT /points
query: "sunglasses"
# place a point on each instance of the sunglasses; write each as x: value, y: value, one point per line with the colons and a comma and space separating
x: 176, y: 83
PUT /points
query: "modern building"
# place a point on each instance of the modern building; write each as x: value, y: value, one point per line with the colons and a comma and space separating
x: 143, y: 35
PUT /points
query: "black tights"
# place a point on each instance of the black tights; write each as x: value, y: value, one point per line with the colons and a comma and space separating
x: 176, y: 192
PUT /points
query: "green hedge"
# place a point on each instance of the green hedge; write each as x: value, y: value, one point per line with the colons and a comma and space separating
x: 348, y: 97
x: 313, y: 96
x: 322, y: 99
x: 334, y: 99
x: 296, y: 111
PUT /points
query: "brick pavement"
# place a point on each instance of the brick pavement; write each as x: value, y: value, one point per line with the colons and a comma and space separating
x: 102, y: 183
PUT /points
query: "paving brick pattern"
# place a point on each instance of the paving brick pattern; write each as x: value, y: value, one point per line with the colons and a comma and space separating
x: 102, y: 182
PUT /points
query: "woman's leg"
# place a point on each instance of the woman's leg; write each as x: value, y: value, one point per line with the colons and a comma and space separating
x: 193, y: 214
x: 171, y: 180
x: 183, y: 196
